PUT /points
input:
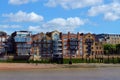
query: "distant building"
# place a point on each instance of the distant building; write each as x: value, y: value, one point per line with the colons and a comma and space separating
x: 3, y: 37
x: 21, y: 42
x: 109, y: 38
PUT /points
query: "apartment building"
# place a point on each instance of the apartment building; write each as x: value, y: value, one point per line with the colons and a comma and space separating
x: 48, y: 45
x: 56, y: 38
x: 92, y: 45
x: 109, y: 38
x: 55, y: 44
x: 21, y: 42
x: 72, y: 45
x: 3, y: 37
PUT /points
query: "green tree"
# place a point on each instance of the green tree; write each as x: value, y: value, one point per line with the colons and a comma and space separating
x: 118, y: 48
x: 109, y: 48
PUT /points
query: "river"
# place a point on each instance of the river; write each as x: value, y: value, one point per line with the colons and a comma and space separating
x: 109, y: 73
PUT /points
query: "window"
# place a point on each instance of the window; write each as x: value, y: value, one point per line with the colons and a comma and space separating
x: 91, y: 47
x: 56, y: 37
x: 96, y: 47
x: 95, y: 43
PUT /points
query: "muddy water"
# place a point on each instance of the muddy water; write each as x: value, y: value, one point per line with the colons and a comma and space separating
x: 112, y: 73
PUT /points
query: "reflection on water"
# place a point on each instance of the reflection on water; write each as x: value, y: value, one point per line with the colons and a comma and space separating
x: 63, y: 74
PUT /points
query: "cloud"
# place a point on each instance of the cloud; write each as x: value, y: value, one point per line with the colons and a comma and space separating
x: 6, y: 26
x: 73, y: 4
x: 61, y: 24
x: 110, y: 11
x: 10, y: 28
x: 21, y: 16
x: 20, y: 2
x: 85, y: 31
x: 116, y: 1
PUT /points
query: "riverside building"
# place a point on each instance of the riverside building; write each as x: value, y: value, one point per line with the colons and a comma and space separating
x: 72, y: 45
x: 48, y: 45
x: 21, y: 42
x: 92, y: 45
x: 55, y: 44
x: 109, y: 38
x: 3, y: 38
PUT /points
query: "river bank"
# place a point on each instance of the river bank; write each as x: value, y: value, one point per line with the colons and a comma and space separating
x: 25, y: 66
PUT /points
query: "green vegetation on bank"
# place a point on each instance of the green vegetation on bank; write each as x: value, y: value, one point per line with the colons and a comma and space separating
x: 111, y: 49
x: 88, y: 60
x: 24, y: 61
x: 113, y: 60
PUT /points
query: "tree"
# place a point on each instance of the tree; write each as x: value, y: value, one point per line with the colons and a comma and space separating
x: 118, y: 48
x: 109, y: 48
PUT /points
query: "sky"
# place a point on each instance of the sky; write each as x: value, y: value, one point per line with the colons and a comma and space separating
x: 94, y: 16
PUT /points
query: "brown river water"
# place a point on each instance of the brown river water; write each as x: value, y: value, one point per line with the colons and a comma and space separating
x: 109, y: 73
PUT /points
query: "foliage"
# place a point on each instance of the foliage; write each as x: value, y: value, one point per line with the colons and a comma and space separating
x: 118, y: 48
x: 110, y: 49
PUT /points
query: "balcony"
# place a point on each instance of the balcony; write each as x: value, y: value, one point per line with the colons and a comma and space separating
x: 22, y: 39
x: 57, y: 53
x: 59, y: 40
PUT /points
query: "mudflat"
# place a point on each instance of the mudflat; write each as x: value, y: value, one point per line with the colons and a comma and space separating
x: 26, y: 66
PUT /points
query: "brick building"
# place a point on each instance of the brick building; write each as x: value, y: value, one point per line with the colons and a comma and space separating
x: 72, y: 45
x: 92, y: 45
x: 47, y: 45
x: 56, y: 44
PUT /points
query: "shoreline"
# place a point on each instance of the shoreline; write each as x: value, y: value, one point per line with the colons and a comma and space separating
x: 30, y: 66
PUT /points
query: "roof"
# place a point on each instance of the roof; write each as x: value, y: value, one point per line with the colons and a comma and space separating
x: 3, y: 33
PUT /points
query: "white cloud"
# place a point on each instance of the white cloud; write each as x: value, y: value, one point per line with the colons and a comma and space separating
x: 34, y: 28
x: 61, y: 24
x: 85, y: 31
x: 73, y: 4
x: 116, y: 0
x: 6, y: 26
x: 110, y: 11
x: 9, y: 28
x: 21, y: 16
x: 19, y: 2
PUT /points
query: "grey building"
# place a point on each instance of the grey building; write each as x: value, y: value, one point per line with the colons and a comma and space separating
x: 21, y: 42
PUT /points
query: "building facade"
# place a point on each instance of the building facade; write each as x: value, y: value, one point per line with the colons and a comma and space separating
x: 72, y: 45
x: 92, y: 45
x: 21, y: 43
x: 56, y: 44
x: 47, y: 45
x: 3, y: 38
x: 109, y: 38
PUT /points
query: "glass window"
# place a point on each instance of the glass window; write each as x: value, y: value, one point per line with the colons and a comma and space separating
x: 56, y: 37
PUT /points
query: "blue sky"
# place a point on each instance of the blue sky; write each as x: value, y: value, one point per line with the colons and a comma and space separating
x: 95, y: 16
